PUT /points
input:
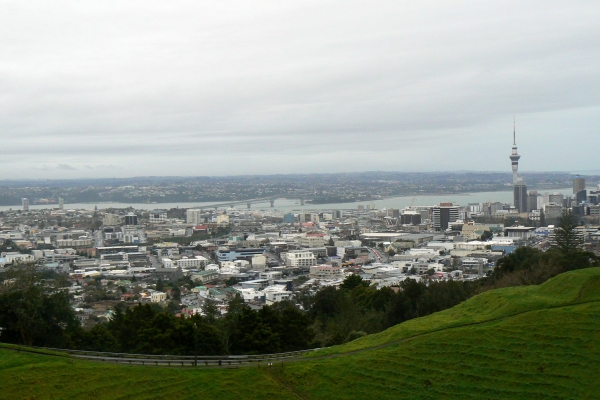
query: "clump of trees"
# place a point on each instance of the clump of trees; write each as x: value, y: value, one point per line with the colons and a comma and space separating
x: 531, y: 266
x: 35, y: 309
x: 341, y: 315
x: 149, y: 329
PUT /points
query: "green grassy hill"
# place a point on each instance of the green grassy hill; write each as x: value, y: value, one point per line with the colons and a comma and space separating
x: 526, y: 342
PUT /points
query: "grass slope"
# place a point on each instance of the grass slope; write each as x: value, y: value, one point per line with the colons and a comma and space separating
x: 529, y: 342
x: 573, y: 287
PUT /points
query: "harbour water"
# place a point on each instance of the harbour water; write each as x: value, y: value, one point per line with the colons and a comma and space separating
x: 286, y: 205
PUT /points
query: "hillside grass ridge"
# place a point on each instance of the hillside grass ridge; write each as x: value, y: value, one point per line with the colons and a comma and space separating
x: 574, y: 287
x: 536, y: 342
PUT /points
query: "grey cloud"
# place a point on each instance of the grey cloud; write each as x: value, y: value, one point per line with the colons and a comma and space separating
x: 398, y: 85
x: 66, y: 167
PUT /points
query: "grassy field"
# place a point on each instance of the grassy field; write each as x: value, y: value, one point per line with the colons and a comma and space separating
x: 529, y: 342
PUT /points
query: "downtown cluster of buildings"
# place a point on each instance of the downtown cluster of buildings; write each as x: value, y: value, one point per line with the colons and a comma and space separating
x: 551, y: 205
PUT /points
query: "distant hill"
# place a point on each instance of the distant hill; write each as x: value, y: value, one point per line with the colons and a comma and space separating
x: 525, y: 342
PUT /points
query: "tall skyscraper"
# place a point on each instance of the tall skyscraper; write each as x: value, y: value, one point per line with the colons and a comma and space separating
x: 520, y: 196
x: 578, y: 184
x: 25, y: 202
x: 579, y: 192
x: 61, y: 203
x: 532, y: 200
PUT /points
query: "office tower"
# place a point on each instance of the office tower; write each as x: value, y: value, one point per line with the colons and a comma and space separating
x: 579, y: 192
x: 131, y: 219
x: 520, y: 196
x: 532, y: 200
x: 25, y: 202
x: 61, y: 203
x: 578, y: 184
x: 556, y: 198
x: 443, y: 215
x: 194, y: 216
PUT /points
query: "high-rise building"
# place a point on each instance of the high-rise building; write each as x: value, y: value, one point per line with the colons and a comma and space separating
x: 532, y: 200
x: 520, y: 196
x: 581, y: 196
x: 194, y: 216
x: 443, y: 215
x: 578, y: 184
x: 410, y: 217
x: 25, y: 202
x: 556, y: 198
x: 579, y: 192
x: 61, y: 203
x: 111, y: 219
x: 131, y: 219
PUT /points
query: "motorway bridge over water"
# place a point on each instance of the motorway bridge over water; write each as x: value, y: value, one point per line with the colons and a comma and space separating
x: 248, y: 203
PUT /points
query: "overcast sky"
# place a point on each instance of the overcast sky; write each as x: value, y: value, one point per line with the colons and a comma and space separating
x: 132, y: 88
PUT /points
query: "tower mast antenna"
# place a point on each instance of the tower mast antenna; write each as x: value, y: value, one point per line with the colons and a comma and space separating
x: 514, y: 131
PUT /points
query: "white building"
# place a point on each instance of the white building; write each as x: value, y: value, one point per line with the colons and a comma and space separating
x: 194, y: 216
x: 111, y: 219
x: 325, y: 272
x: 157, y: 297
x: 523, y: 232
x: 275, y: 296
x: 158, y: 216
x: 15, y: 258
x: 167, y: 262
x: 81, y: 242
x: 300, y: 258
x: 197, y: 262
x: 259, y: 262
x: 312, y: 241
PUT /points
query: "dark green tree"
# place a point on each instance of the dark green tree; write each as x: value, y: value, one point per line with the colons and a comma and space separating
x: 567, y: 239
x: 353, y: 281
x: 176, y: 293
x: 522, y: 258
x: 35, y: 309
x: 486, y: 235
x: 231, y: 281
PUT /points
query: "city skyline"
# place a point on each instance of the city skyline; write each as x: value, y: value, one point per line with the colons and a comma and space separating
x: 115, y: 90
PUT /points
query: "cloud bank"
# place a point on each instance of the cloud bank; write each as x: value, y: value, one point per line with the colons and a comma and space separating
x: 103, y: 89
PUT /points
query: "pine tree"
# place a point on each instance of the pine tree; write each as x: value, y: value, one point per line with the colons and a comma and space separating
x: 566, y: 237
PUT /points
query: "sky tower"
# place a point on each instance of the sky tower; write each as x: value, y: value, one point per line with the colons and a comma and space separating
x: 519, y: 187
x: 514, y: 157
